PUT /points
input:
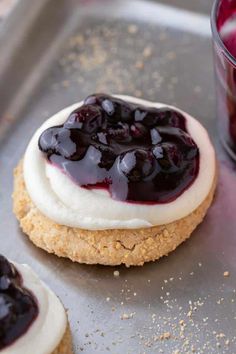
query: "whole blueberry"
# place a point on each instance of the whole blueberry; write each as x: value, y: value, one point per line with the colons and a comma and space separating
x: 171, y: 159
x: 136, y: 164
x: 87, y: 118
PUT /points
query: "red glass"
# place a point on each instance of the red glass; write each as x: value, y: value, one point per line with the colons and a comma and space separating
x: 223, y: 22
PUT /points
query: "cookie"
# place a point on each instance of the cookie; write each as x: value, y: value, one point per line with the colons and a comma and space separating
x: 29, y: 310
x: 115, y: 180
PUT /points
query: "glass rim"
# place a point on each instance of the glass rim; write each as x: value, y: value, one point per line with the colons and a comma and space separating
x: 216, y: 35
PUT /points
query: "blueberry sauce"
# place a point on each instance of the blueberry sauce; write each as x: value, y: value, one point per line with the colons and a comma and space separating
x: 18, y: 307
x: 139, y: 154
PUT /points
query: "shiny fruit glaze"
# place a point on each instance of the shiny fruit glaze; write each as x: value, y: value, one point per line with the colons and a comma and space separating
x: 139, y: 154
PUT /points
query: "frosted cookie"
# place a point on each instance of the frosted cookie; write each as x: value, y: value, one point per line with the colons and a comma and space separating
x: 32, y: 319
x: 115, y: 179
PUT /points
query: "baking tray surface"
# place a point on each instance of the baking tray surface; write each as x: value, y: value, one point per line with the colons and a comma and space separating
x: 182, y: 303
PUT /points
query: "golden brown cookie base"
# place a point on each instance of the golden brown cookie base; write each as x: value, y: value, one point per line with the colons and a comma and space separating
x: 108, y: 247
x: 65, y: 346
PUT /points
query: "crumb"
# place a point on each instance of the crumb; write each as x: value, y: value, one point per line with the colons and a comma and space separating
x: 165, y: 335
x: 127, y: 316
x: 116, y: 273
x: 147, y: 52
x: 189, y: 314
x: 226, y: 274
x: 132, y: 29
x: 139, y: 65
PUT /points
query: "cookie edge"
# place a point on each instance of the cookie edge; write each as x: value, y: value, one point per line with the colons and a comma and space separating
x: 65, y: 345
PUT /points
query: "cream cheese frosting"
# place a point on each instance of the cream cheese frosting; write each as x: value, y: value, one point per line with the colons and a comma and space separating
x: 66, y: 203
x: 47, y: 331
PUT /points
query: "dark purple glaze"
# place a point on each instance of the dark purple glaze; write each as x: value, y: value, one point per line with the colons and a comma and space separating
x: 140, y: 154
x: 18, y: 307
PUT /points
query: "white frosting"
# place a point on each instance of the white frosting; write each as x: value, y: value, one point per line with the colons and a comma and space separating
x: 61, y: 200
x: 46, y: 332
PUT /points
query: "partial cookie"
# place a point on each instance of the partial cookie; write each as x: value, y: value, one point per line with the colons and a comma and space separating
x: 29, y: 310
x: 108, y: 247
x: 65, y: 346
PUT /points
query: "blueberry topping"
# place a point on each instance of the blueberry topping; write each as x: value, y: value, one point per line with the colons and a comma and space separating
x: 121, y: 146
x: 18, y: 307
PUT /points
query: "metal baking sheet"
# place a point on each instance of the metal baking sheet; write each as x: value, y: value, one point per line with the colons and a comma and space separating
x: 182, y: 303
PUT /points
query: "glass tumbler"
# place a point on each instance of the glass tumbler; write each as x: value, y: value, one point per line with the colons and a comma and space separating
x: 223, y: 23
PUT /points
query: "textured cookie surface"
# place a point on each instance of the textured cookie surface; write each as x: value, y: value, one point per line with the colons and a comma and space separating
x: 65, y: 346
x: 108, y: 247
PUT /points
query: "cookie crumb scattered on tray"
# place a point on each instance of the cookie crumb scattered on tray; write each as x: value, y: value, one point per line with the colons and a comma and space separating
x: 132, y: 29
x: 116, y: 273
x: 127, y: 316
